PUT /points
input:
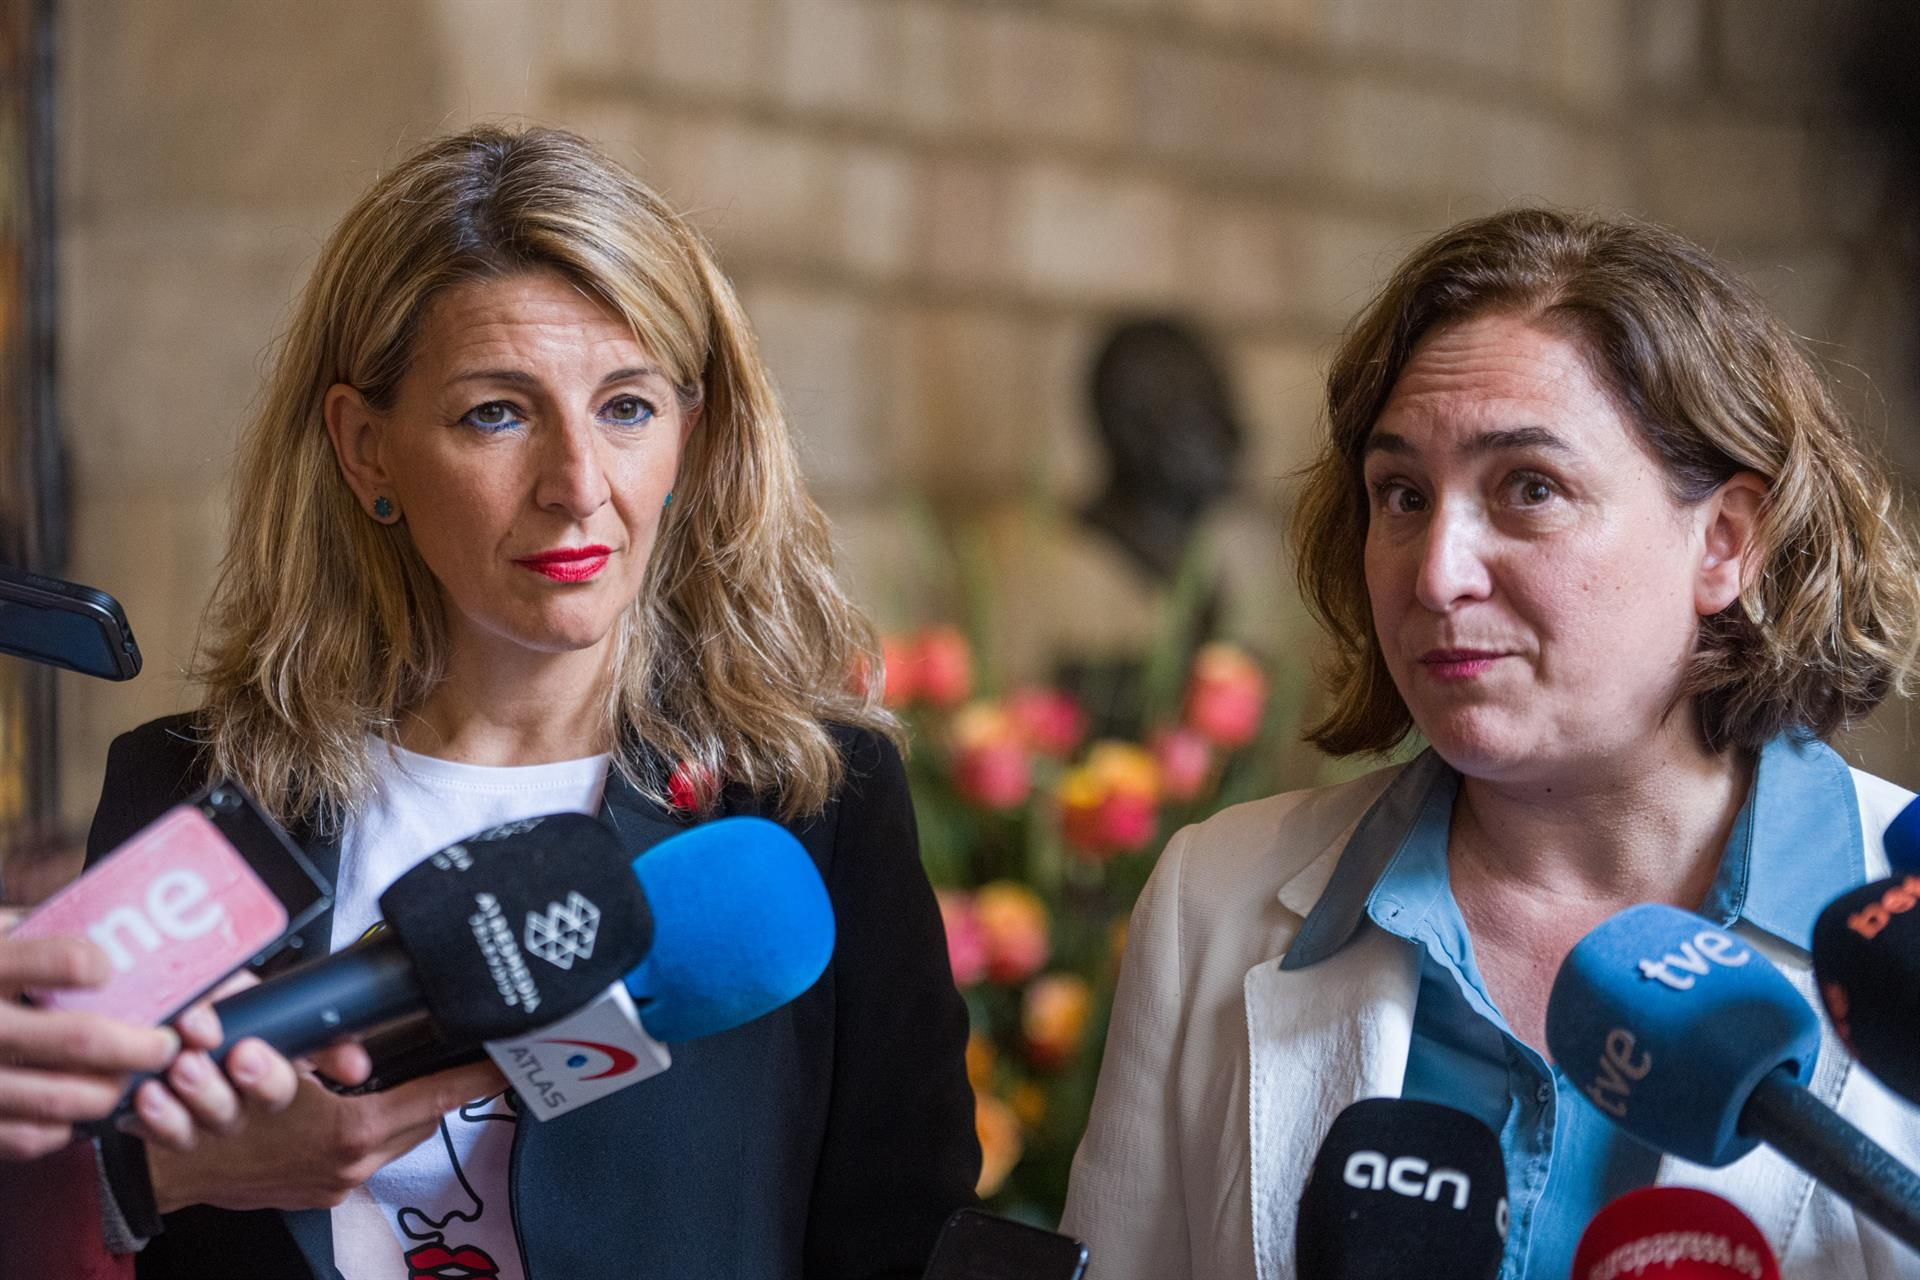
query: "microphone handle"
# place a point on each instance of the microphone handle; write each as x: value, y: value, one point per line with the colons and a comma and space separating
x: 1787, y: 1117
x: 367, y: 985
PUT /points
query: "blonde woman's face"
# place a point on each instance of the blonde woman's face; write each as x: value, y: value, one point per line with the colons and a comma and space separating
x: 530, y: 449
x: 1535, y: 588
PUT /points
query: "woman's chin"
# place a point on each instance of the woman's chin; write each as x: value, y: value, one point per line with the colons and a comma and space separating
x: 1482, y: 745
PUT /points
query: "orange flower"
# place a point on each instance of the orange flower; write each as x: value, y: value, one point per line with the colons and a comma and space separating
x: 1030, y: 1104
x: 990, y: 762
x: 1014, y: 921
x: 1053, y: 1017
x: 1226, y: 696
x: 1109, y: 804
x: 980, y: 1058
x: 1000, y: 1147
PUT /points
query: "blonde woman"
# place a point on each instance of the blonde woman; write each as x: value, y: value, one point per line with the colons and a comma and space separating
x: 519, y: 529
x: 1589, y: 523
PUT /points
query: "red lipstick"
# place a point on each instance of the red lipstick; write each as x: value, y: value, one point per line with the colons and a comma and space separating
x: 1458, y: 664
x: 567, y: 564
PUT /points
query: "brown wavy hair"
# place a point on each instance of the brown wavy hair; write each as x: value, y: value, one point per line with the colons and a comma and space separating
x: 1824, y: 625
x: 326, y: 627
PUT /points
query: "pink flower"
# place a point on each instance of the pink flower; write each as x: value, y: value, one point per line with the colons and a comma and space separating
x: 1226, y: 696
x: 1185, y: 758
x: 1051, y: 722
x: 1110, y: 804
x: 1014, y: 921
x: 966, y: 941
x: 991, y: 766
x: 943, y: 666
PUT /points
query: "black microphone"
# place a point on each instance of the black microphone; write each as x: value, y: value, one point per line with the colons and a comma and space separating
x: 1866, y: 956
x: 1403, y: 1189
x: 503, y: 932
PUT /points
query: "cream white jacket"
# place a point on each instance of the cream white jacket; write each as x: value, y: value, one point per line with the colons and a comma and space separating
x: 1223, y: 1072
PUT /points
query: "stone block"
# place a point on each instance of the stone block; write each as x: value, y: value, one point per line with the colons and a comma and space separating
x: 1242, y: 259
x: 936, y: 63
x: 1390, y: 138
x: 970, y: 221
x: 213, y: 104
x: 1035, y: 76
x: 880, y: 217
x: 1590, y: 63
x: 711, y: 47
x: 185, y: 309
x: 964, y: 420
x: 1496, y: 37
x: 1347, y: 258
x: 1073, y: 462
x: 1280, y: 389
x: 1096, y: 235
x: 838, y: 56
x: 1237, y: 114
x: 764, y: 194
x: 1728, y: 179
x: 1668, y: 41
x: 1291, y: 21
x: 821, y: 348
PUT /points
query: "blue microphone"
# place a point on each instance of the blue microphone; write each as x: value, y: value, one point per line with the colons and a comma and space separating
x: 1690, y: 1040
x: 742, y: 925
x: 1903, y: 839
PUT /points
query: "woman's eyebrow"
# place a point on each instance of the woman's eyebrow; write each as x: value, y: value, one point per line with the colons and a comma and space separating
x: 521, y: 377
x: 1482, y: 443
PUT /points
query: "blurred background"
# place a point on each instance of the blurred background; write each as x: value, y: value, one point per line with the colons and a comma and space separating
x: 941, y: 215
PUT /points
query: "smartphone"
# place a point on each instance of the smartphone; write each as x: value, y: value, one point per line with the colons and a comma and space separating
x: 209, y: 886
x: 64, y: 624
x: 978, y: 1246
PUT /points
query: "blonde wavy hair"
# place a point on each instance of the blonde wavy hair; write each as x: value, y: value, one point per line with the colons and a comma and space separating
x: 741, y: 651
x: 1824, y: 625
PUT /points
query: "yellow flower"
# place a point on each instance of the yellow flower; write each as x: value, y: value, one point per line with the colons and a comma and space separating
x: 1014, y: 920
x: 1053, y: 1016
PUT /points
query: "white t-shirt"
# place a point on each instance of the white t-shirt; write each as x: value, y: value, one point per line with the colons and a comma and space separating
x: 442, y: 1206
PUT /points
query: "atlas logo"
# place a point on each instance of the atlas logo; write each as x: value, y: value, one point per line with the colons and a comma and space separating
x: 565, y: 933
x: 1405, y: 1175
x: 618, y: 1060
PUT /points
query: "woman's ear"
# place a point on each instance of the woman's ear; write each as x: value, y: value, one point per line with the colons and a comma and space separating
x: 1732, y: 517
x: 357, y: 435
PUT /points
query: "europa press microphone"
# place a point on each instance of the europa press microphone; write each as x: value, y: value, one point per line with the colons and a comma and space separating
x: 1696, y: 1045
x: 741, y: 925
x: 1674, y: 1233
x: 1866, y: 957
x: 1403, y: 1189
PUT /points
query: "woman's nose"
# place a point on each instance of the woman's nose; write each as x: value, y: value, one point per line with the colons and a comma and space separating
x: 1453, y: 562
x: 573, y: 478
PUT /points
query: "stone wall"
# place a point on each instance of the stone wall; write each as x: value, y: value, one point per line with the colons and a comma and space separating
x: 932, y: 209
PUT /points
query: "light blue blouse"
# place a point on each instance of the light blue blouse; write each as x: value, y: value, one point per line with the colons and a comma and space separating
x: 1794, y: 846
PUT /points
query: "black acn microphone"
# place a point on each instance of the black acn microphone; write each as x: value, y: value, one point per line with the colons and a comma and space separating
x: 506, y: 931
x: 1866, y: 955
x: 1403, y: 1189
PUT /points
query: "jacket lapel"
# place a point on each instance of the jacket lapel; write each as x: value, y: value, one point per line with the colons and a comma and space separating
x: 1319, y: 1038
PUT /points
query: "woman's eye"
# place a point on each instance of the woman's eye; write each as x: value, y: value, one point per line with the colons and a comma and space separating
x: 1532, y: 490
x: 627, y: 411
x: 1397, y: 498
x: 494, y: 415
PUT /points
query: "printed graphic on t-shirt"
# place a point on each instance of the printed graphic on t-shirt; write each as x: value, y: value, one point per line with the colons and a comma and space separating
x: 447, y: 1235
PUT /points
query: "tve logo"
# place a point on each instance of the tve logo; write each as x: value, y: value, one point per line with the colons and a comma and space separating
x: 176, y: 909
x: 1405, y: 1175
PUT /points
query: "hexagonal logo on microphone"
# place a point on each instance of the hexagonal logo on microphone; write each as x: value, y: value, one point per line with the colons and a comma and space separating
x: 565, y: 933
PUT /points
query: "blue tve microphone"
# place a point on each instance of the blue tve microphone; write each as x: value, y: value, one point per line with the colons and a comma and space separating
x: 1695, y: 1044
x: 1903, y: 839
x: 741, y: 926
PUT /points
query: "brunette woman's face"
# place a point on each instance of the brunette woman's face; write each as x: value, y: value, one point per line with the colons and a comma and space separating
x: 1536, y: 588
x: 530, y: 449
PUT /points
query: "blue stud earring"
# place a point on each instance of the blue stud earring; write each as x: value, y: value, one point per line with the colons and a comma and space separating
x: 382, y: 509
x: 669, y: 501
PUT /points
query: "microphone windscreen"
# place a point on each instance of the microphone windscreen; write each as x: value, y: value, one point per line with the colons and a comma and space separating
x: 1866, y: 956
x: 520, y: 925
x: 742, y: 925
x: 1903, y: 839
x: 1672, y: 1233
x: 1667, y: 1023
x: 1400, y: 1189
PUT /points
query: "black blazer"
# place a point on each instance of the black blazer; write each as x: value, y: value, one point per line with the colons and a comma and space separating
x: 828, y: 1140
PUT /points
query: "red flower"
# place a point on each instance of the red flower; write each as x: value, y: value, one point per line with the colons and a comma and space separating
x: 966, y: 941
x: 1051, y: 722
x: 691, y: 787
x: 943, y: 666
x: 1226, y: 696
x: 991, y: 766
x: 897, y: 656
